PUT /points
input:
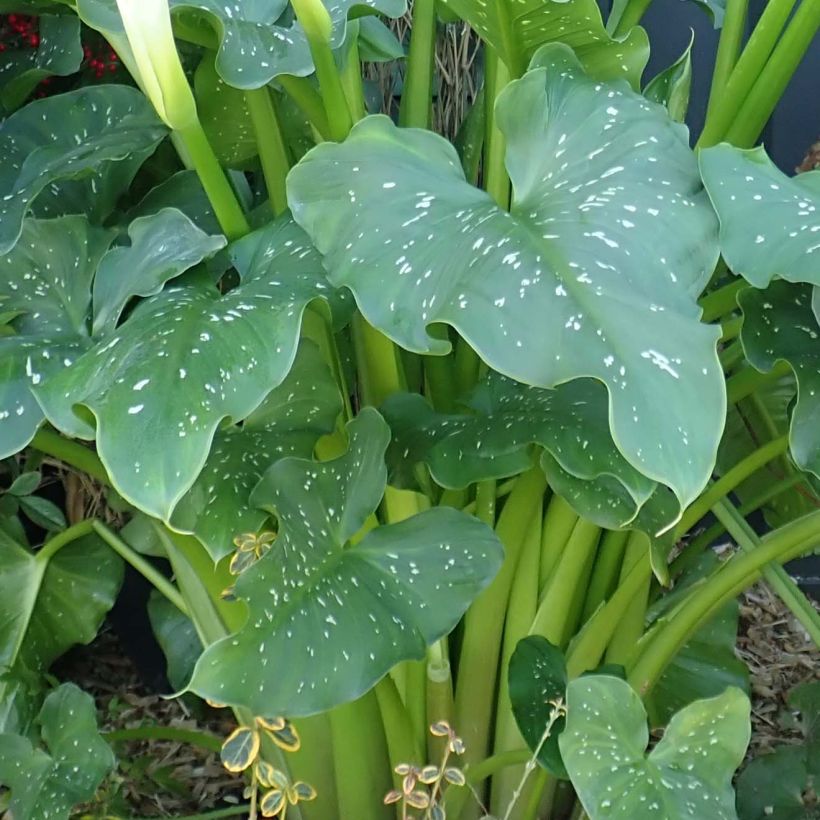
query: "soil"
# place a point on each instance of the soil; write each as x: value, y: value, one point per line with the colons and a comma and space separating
x: 172, y: 779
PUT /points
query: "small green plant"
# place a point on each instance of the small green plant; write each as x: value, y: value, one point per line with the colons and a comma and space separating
x: 403, y: 432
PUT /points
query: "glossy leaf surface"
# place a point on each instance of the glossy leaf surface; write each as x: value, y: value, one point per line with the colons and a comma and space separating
x: 312, y: 597
x: 687, y: 774
x: 83, y: 134
x: 574, y: 281
x: 769, y: 223
x: 226, y: 351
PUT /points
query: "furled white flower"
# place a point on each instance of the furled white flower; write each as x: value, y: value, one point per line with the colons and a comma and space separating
x: 160, y: 74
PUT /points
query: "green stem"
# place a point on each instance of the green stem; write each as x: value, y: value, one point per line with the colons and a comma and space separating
x: 778, y: 580
x: 731, y: 356
x: 631, y: 15
x: 632, y: 621
x: 440, y: 702
x: 606, y: 571
x: 746, y: 72
x: 484, y: 621
x: 520, y: 614
x: 746, y: 381
x: 721, y: 302
x: 70, y: 452
x: 733, y: 577
x: 360, y: 752
x: 351, y: 75
x: 688, y: 557
x: 730, y: 329
x: 333, y: 95
x: 769, y: 86
x: 729, y: 481
x: 141, y: 565
x: 271, y: 145
x: 308, y: 100
x: 191, y: 737
x: 416, y: 99
x: 221, y: 195
x: 552, y: 620
x: 378, y: 364
x: 588, y: 647
x: 731, y: 39
x: 559, y: 522
x: 401, y: 739
x: 496, y: 179
x: 55, y: 544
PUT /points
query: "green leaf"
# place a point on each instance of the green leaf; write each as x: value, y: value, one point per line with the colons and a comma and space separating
x: 25, y: 483
x: 48, y: 605
x: 44, y: 513
x: 82, y: 136
x: 59, y: 53
x: 538, y: 675
x: 183, y: 362
x: 182, y: 191
x: 769, y: 223
x: 162, y: 247
x: 46, y: 783
x: 517, y: 28
x: 254, y: 41
x: 47, y: 279
x: 314, y: 597
x: 569, y: 422
x: 687, y: 774
x: 572, y: 282
x: 377, y: 43
x: 177, y: 636
x: 771, y: 787
x: 287, y: 423
x: 224, y: 116
x: 672, y: 86
x: 805, y: 699
x: 778, y: 324
x: 240, y: 749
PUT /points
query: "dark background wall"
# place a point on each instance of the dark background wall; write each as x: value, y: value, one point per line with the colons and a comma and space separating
x: 796, y: 122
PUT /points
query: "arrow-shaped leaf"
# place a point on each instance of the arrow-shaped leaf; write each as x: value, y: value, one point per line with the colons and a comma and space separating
x: 594, y: 272
x: 314, y: 595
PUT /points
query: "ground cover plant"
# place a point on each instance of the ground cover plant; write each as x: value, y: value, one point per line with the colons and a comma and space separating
x: 421, y: 445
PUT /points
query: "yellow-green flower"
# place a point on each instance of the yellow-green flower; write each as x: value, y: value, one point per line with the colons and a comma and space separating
x: 160, y: 74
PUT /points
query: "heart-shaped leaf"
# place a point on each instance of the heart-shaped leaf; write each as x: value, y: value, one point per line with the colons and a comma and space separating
x: 58, y: 52
x: 769, y: 223
x: 772, y: 787
x: 538, y: 680
x: 163, y: 246
x: 572, y: 282
x: 687, y: 774
x: 516, y: 29
x: 49, y: 603
x: 46, y: 280
x: 779, y: 324
x: 46, y: 783
x: 47, y: 145
x: 287, y: 423
x: 184, y: 361
x: 569, y: 422
x: 313, y: 595
x: 177, y: 636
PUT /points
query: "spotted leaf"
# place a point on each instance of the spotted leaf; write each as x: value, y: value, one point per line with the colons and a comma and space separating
x: 58, y: 52
x: 769, y: 223
x: 154, y: 393
x: 287, y: 423
x: 162, y: 246
x: 73, y: 153
x: 779, y: 324
x: 46, y: 280
x: 593, y: 272
x: 314, y: 596
x: 569, y: 422
x: 254, y: 41
x: 687, y: 774
x: 516, y: 29
x: 47, y: 781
